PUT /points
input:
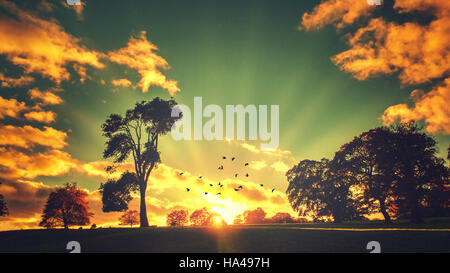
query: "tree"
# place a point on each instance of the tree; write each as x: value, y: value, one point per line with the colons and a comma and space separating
x: 177, y: 218
x: 129, y: 218
x: 200, y: 217
x: 323, y: 190
x: 256, y: 216
x: 116, y: 194
x: 66, y: 206
x: 3, y: 207
x: 282, y: 217
x: 420, y: 174
x: 370, y: 158
x: 238, y: 220
x: 136, y: 135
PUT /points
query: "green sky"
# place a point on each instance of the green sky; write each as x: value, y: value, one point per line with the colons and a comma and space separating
x: 228, y: 52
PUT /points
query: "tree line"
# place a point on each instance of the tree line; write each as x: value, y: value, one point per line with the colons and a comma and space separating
x: 204, y: 217
x: 392, y: 170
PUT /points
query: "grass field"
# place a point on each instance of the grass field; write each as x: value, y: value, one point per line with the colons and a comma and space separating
x: 432, y: 236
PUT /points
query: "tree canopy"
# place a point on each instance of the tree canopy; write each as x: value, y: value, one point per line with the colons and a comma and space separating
x: 66, y: 206
x: 393, y: 170
x: 177, y: 218
x: 135, y: 136
x: 3, y: 207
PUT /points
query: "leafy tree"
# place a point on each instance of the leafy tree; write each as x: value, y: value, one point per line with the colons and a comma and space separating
x: 370, y: 158
x: 323, y: 189
x: 129, y: 218
x: 256, y: 216
x: 420, y: 174
x: 65, y: 207
x: 3, y: 207
x: 200, y: 217
x: 238, y: 220
x: 177, y: 218
x: 282, y: 217
x: 116, y: 194
x: 136, y: 135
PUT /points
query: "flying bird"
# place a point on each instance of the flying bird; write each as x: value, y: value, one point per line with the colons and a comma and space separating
x: 211, y: 185
x: 261, y: 185
x: 246, y: 164
x: 218, y: 193
x: 200, y: 177
x: 181, y: 173
x: 224, y: 157
x: 206, y: 193
x: 236, y: 189
x: 240, y: 187
x: 187, y: 189
x: 235, y: 175
x: 246, y: 174
x: 232, y: 159
x: 273, y: 190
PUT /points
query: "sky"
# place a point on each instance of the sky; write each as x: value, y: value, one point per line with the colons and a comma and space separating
x: 336, y: 68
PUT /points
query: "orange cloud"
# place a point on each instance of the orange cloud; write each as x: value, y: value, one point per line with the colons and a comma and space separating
x: 46, y: 97
x: 41, y: 116
x: 432, y: 107
x: 15, y: 82
x: 18, y: 164
x: 340, y: 12
x: 40, y: 46
x: 139, y: 55
x: 419, y: 53
x: 28, y: 137
x: 11, y: 108
x: 121, y: 82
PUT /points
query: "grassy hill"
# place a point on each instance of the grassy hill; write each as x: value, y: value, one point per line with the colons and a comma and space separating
x: 432, y: 236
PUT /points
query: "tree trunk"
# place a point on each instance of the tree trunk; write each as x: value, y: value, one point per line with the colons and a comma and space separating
x: 143, y: 209
x: 387, y: 218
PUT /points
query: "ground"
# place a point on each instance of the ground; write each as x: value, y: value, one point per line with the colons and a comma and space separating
x: 432, y: 236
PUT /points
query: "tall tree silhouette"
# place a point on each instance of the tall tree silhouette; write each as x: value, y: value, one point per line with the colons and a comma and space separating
x: 3, y: 207
x: 65, y: 207
x: 322, y: 189
x: 420, y: 174
x: 370, y: 158
x: 137, y: 134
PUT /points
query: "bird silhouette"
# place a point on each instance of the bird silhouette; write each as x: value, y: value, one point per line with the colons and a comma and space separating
x: 206, y: 193
x: 200, y: 177
x: 261, y: 185
x: 221, y: 185
x: 218, y: 193
x: 246, y: 174
x: 232, y: 159
x: 246, y: 164
x: 211, y: 185
x: 235, y: 175
x: 240, y: 187
x: 187, y: 189
x: 220, y: 167
x: 236, y: 189
x: 273, y: 190
x: 181, y: 173
x: 224, y: 157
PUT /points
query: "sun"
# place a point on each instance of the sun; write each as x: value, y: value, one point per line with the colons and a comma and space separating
x: 218, y: 220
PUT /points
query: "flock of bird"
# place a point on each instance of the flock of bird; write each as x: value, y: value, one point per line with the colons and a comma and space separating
x: 220, y: 185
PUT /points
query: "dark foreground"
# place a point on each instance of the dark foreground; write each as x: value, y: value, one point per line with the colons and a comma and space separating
x: 285, y: 238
